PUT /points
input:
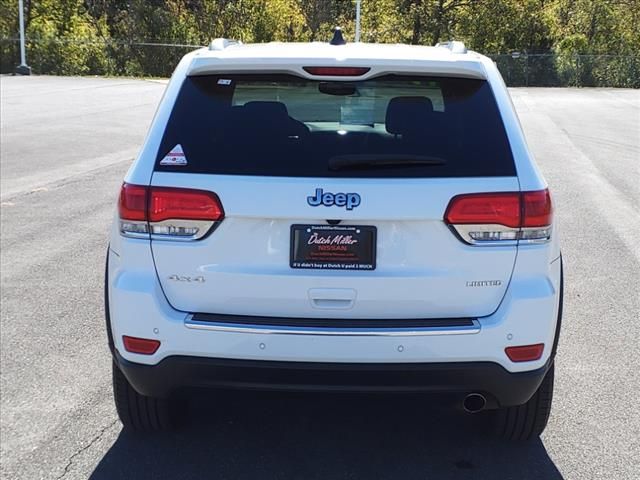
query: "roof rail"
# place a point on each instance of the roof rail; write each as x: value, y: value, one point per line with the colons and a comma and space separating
x: 222, y: 43
x: 453, y: 46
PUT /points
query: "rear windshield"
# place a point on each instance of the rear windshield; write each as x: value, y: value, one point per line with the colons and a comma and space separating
x: 281, y: 125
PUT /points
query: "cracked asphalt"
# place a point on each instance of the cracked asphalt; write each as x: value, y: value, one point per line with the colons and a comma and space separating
x: 65, y: 146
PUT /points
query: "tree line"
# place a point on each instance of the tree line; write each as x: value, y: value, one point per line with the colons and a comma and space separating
x: 588, y: 41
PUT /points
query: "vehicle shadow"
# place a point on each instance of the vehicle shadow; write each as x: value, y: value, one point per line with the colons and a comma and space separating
x: 324, y: 436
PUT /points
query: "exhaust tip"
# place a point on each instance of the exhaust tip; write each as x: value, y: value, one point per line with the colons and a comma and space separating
x: 474, y: 402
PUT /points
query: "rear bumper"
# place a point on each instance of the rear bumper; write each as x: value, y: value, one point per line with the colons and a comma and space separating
x: 138, y: 308
x: 176, y: 373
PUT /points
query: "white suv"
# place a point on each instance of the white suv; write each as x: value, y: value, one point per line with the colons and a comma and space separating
x: 331, y: 216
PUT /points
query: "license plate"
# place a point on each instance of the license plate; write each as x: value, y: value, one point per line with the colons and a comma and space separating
x: 333, y: 247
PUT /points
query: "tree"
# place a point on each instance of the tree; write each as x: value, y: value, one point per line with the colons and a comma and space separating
x: 322, y: 15
x: 104, y: 36
x: 430, y: 21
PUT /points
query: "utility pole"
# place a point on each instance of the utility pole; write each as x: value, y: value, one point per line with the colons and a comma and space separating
x: 358, y: 2
x: 23, y: 68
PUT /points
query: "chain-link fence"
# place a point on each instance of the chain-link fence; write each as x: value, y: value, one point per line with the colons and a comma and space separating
x: 569, y: 70
x: 146, y: 59
x: 53, y: 56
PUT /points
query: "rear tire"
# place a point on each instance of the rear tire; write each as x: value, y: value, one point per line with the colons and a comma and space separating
x: 524, y: 422
x: 139, y: 413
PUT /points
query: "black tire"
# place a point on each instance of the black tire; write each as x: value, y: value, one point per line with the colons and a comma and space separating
x: 527, y: 421
x: 139, y: 413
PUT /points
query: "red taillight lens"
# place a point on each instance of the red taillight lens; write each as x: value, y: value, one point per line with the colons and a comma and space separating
x: 536, y: 209
x: 183, y: 204
x: 171, y: 213
x: 337, y: 71
x: 133, y: 202
x: 485, y: 208
x: 143, y: 346
x: 481, y: 218
x: 525, y: 353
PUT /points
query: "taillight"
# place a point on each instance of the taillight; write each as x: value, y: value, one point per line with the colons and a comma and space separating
x: 485, y: 208
x: 536, y: 208
x: 497, y: 218
x: 168, y: 213
x: 132, y: 209
x: 337, y: 71
x: 170, y: 203
x: 133, y: 202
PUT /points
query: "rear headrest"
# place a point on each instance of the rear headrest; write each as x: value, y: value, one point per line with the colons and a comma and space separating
x: 267, y: 109
x: 408, y: 114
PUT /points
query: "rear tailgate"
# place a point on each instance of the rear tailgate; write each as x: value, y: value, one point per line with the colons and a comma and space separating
x: 423, y: 270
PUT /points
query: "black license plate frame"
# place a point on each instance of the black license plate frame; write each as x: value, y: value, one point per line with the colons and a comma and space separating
x: 332, y: 247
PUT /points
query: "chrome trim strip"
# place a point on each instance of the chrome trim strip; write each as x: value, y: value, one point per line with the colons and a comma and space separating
x: 203, y: 226
x: 463, y: 232
x: 346, y: 332
x: 545, y: 239
x: 130, y: 234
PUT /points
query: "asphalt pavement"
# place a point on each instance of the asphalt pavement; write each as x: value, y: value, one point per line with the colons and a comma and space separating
x: 65, y: 146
